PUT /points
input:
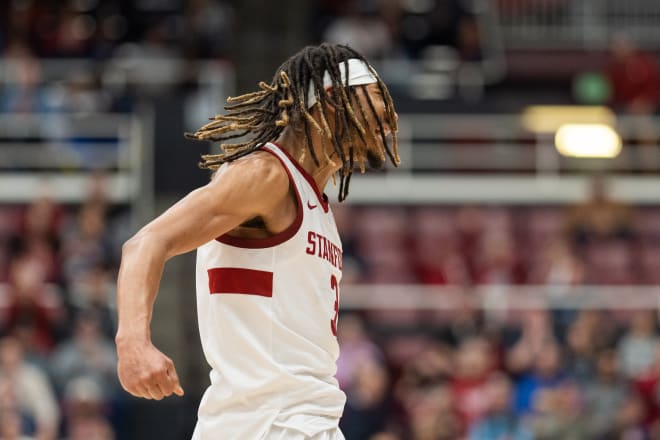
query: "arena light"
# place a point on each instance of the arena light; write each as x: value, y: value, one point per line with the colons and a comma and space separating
x: 548, y: 118
x: 588, y: 141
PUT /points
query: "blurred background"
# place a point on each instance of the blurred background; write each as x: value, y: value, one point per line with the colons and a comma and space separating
x: 501, y: 284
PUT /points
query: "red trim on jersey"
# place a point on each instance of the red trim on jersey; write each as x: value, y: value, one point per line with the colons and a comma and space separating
x: 257, y: 243
x: 321, y: 196
x: 244, y: 281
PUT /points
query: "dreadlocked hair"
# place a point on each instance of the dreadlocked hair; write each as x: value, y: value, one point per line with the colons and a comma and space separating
x: 261, y: 116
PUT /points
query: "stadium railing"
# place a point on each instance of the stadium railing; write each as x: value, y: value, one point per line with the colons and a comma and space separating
x: 577, y: 25
x: 493, y: 158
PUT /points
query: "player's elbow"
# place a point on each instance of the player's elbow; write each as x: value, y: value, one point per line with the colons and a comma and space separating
x: 130, y: 246
x: 144, y: 242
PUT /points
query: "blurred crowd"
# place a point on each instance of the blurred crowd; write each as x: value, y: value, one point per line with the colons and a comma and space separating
x: 427, y: 375
x: 598, y: 241
x: 386, y: 28
x: 130, y: 49
x: 57, y: 319
x: 594, y: 377
x: 447, y: 374
x: 125, y: 40
x: 101, y: 29
x: 467, y: 372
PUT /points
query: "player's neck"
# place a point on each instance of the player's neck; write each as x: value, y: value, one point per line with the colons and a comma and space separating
x: 293, y: 143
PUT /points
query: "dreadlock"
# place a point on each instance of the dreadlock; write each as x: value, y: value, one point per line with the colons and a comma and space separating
x: 263, y: 115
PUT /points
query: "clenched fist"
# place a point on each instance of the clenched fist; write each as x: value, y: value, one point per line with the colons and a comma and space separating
x: 146, y: 372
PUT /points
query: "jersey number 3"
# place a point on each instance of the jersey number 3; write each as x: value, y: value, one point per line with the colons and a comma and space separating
x: 334, y: 285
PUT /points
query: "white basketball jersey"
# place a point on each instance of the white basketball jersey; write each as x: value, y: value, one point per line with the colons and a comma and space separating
x: 267, y: 319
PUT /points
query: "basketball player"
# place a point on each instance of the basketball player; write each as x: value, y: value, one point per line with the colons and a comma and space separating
x: 268, y: 253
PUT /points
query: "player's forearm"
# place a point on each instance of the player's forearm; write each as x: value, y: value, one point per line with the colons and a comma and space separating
x: 142, y: 262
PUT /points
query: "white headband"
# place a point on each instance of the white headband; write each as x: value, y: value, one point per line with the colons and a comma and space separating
x: 359, y: 73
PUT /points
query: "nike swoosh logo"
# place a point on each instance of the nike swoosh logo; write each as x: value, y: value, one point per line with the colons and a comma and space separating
x: 310, y: 206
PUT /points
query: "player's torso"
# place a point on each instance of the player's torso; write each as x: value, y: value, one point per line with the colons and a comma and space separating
x: 267, y: 311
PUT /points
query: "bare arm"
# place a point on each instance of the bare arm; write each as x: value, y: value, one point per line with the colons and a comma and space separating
x: 246, y: 188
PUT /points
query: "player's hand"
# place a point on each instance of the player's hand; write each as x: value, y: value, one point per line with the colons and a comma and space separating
x: 146, y: 372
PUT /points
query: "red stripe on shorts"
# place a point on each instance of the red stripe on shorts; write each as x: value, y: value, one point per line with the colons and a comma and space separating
x: 240, y: 281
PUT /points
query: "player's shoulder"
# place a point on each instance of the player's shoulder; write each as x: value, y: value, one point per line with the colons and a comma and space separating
x: 261, y: 160
x: 260, y: 168
x: 263, y: 164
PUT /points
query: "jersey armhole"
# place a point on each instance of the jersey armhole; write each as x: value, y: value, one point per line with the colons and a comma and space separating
x: 279, y: 238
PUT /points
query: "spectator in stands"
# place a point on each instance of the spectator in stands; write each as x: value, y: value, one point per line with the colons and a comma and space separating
x: 85, y: 409
x: 469, y: 43
x: 361, y: 27
x: 431, y: 414
x: 90, y: 428
x: 561, y: 270
x: 535, y: 335
x: 93, y: 294
x: 42, y: 219
x: 465, y: 321
x: 646, y: 386
x: 604, y: 394
x: 599, y: 218
x: 42, y: 253
x: 630, y: 420
x: 86, y: 355
x: 24, y: 93
x: 16, y: 20
x: 500, y: 422
x: 82, y: 93
x: 497, y: 262
x: 31, y: 389
x: 637, y: 348
x: 87, y: 245
x: 32, y: 305
x: 474, y: 364
x: 385, y: 435
x: 37, y: 235
x: 547, y: 375
x: 117, y: 218
x: 11, y: 425
x: 72, y: 34
x: 634, y: 77
x: 603, y: 329
x: 557, y: 414
x: 429, y: 23
x: 580, y: 351
x: 423, y: 394
x: 367, y: 403
x: 210, y: 28
x: 433, y: 365
x: 157, y: 47
x: 558, y: 266
x: 356, y: 349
